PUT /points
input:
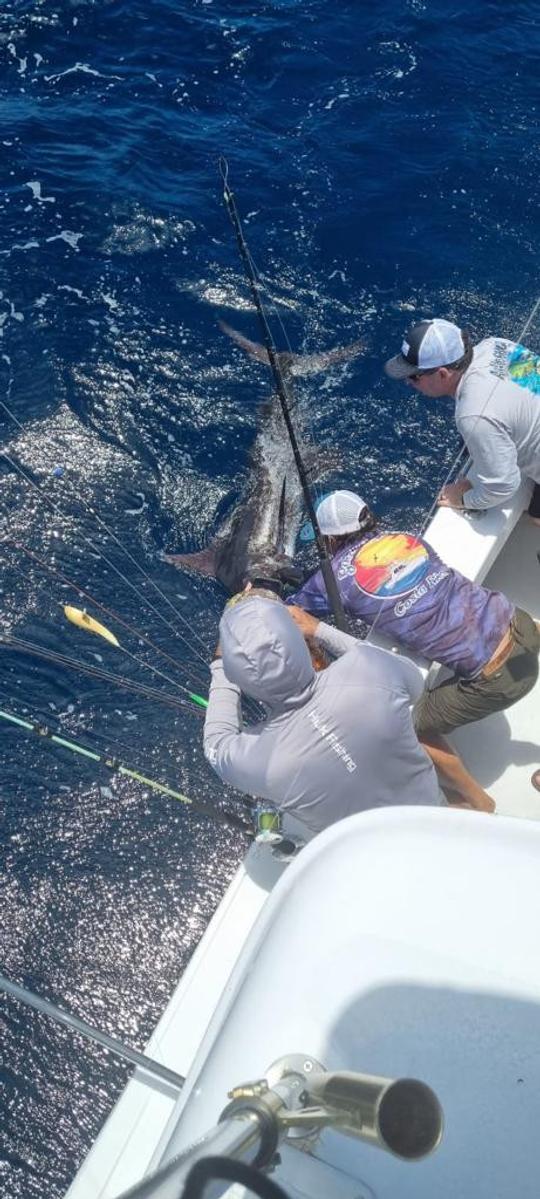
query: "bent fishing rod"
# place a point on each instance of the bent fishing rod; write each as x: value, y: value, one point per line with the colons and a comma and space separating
x: 112, y: 763
x: 334, y: 598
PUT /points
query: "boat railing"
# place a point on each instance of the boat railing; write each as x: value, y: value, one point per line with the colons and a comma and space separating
x: 155, y: 1069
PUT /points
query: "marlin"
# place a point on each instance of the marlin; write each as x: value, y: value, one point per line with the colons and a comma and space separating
x: 258, y: 538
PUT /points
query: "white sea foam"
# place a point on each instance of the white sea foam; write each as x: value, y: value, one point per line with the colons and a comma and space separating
x: 66, y: 235
x: 110, y: 301
x: 76, y: 290
x: 334, y: 100
x: 79, y: 66
x: 35, y: 188
x: 25, y: 245
x: 395, y: 70
x: 12, y: 315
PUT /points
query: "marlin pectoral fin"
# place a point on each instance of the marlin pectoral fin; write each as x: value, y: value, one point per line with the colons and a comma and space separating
x: 285, y: 359
x: 204, y: 561
x: 251, y: 347
x: 296, y: 364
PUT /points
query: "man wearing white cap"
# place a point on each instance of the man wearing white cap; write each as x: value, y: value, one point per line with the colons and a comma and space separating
x: 396, y: 582
x: 496, y: 386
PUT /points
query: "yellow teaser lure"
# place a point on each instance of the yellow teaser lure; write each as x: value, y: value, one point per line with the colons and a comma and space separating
x: 84, y: 621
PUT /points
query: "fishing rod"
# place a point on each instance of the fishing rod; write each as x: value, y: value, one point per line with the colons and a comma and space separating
x: 285, y: 402
x: 113, y: 764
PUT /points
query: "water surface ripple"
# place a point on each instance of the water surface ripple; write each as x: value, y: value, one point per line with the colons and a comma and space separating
x: 384, y: 158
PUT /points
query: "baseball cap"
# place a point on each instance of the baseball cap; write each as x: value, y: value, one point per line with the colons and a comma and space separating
x: 340, y: 512
x: 426, y: 346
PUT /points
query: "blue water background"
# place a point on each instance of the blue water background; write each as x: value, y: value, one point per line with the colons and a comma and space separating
x: 384, y: 159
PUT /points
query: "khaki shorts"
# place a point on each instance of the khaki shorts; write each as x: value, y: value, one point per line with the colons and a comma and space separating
x: 460, y: 701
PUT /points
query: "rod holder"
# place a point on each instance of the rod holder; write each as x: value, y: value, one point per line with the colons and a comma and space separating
x: 403, y: 1115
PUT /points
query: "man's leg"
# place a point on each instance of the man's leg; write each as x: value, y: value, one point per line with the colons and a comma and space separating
x: 453, y: 772
x: 461, y: 701
x: 441, y: 711
x: 534, y: 506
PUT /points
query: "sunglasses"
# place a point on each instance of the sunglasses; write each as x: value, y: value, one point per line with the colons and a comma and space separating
x: 431, y: 370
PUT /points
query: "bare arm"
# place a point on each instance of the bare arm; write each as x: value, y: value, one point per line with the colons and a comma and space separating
x: 338, y: 643
x: 333, y: 640
x: 454, y: 773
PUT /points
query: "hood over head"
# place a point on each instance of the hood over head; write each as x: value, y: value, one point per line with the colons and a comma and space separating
x: 265, y: 654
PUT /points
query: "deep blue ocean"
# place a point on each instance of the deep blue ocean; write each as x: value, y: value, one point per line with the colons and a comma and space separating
x: 385, y: 162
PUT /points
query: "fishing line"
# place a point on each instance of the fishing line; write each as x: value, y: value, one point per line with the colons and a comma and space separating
x: 113, y: 745
x: 293, y: 404
x: 139, y: 661
x: 112, y: 764
x: 305, y: 409
x: 326, y: 567
x: 136, y: 632
x: 96, y: 672
x: 143, y: 599
x: 84, y: 503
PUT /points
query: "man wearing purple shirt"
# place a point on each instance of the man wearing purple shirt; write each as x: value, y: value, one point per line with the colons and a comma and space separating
x: 395, y: 581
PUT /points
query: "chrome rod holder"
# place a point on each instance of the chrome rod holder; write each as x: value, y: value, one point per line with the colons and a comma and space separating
x: 296, y: 1100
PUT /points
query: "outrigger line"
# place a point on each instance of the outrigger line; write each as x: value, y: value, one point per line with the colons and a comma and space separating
x: 112, y: 763
x: 49, y: 655
x: 100, y: 553
x: 285, y: 402
x: 109, y: 612
x: 83, y: 620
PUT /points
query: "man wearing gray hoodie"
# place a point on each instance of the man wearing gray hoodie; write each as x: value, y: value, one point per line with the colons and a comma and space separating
x: 333, y: 743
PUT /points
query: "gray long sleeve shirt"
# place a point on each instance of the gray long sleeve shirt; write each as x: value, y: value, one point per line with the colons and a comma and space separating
x: 498, y: 416
x: 333, y: 743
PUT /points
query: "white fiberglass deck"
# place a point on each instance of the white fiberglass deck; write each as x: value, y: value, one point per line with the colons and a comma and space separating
x: 504, y: 750
x: 401, y: 942
x: 499, y: 547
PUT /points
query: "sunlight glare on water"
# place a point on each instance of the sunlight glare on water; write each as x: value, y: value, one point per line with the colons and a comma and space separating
x: 383, y: 159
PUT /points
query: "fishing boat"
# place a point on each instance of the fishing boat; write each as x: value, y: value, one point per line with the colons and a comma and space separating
x: 363, y: 1020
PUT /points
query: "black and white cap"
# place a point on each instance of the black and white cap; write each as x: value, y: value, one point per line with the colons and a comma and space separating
x: 426, y: 346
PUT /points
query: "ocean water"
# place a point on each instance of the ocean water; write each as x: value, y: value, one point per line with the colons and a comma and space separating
x: 384, y: 160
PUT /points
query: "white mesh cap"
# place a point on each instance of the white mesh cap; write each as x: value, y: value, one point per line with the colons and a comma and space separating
x: 340, y: 512
x: 426, y: 346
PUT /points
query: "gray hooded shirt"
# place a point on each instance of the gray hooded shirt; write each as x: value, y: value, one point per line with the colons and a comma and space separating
x: 333, y: 743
